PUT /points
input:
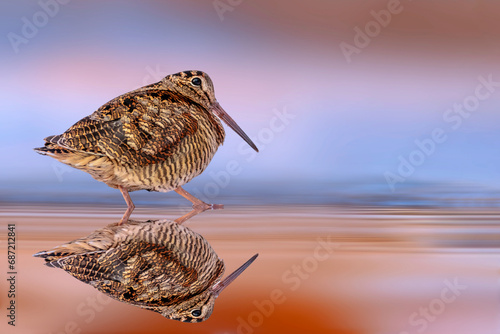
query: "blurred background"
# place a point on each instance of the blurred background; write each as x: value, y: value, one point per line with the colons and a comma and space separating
x: 362, y: 110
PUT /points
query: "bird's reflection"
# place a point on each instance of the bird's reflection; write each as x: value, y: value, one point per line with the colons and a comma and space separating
x: 157, y: 265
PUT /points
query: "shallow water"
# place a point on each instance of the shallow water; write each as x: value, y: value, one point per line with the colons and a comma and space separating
x: 321, y: 269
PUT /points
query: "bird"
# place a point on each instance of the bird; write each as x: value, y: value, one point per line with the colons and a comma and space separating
x: 156, y: 138
x: 158, y: 265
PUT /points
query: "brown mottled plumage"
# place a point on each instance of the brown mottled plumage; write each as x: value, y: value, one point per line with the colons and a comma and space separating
x: 156, y: 138
x: 157, y: 265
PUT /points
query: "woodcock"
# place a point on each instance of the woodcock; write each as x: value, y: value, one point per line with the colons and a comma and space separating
x: 157, y: 265
x: 157, y: 138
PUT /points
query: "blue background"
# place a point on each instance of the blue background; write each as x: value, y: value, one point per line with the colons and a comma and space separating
x: 353, y: 119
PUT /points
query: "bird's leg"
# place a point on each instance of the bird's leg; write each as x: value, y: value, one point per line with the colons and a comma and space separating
x: 130, y: 205
x: 198, y: 205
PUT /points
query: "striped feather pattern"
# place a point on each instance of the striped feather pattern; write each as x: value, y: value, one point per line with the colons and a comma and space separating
x: 154, y: 265
x: 157, y: 137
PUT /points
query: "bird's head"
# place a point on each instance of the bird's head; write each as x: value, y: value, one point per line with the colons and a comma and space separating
x: 199, y: 308
x: 198, y: 87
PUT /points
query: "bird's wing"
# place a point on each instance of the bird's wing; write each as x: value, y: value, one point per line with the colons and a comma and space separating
x: 138, y: 273
x: 139, y: 128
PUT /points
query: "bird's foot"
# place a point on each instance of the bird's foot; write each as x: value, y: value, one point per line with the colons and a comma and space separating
x: 217, y: 206
x: 198, y: 207
x: 201, y: 207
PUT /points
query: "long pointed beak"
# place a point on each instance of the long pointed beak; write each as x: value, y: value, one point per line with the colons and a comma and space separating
x: 224, y: 283
x: 232, y: 124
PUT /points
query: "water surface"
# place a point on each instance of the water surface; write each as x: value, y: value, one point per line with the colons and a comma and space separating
x: 321, y: 269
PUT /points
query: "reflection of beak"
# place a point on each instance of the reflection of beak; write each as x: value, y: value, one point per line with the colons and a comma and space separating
x: 224, y: 283
x: 217, y: 109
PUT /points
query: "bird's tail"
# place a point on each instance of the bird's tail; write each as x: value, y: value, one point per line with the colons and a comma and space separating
x: 70, y: 157
x: 51, y: 147
x: 51, y: 150
x: 97, y: 241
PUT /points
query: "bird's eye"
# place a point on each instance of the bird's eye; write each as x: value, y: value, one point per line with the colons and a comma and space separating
x: 196, y: 81
x: 196, y: 313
